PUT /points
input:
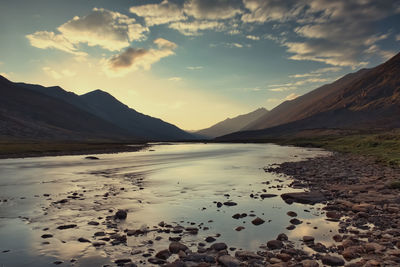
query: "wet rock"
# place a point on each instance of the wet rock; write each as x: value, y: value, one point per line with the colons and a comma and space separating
x: 291, y: 227
x: 236, y: 216
x: 192, y: 230
x: 257, y: 221
x: 247, y: 255
x: 308, y: 239
x: 333, y: 215
x: 239, y: 228
x: 332, y: 260
x: 66, y: 226
x: 91, y: 157
x: 175, y: 247
x: 373, y: 247
x: 93, y: 223
x: 337, y: 238
x: 210, y: 239
x: 83, y: 240
x: 230, y: 203
x: 174, y: 238
x: 274, y: 244
x: 47, y: 236
x: 156, y: 261
x: 219, y: 246
x: 304, y: 197
x: 57, y: 262
x: 219, y: 204
x: 228, y: 261
x: 352, y: 252
x: 122, y: 261
x: 291, y: 214
x: 98, y: 244
x: 363, y: 207
x: 121, y: 214
x: 267, y: 195
x: 284, y: 257
x: 163, y: 254
x: 295, y: 221
x: 99, y: 234
x: 282, y: 237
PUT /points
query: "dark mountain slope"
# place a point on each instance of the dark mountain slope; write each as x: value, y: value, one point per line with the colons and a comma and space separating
x: 367, y: 99
x: 31, y: 115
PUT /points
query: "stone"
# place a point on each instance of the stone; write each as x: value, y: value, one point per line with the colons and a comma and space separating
x: 257, y: 221
x: 230, y: 203
x: 284, y: 257
x: 47, y: 236
x: 175, y: 247
x: 228, y: 261
x: 83, y: 240
x: 295, y: 221
x: 219, y: 246
x: 332, y: 260
x: 337, y: 238
x: 304, y: 197
x: 239, y: 228
x: 308, y: 239
x: 210, y: 239
x: 267, y: 195
x: 291, y: 214
x: 282, y: 237
x: 121, y: 214
x: 274, y: 244
x: 247, y: 255
x: 333, y: 215
x: 66, y: 226
x: 163, y: 254
x: 91, y: 157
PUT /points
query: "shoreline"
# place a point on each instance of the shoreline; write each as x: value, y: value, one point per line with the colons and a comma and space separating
x: 69, y: 149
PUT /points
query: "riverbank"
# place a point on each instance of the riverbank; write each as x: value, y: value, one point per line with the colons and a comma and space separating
x: 41, y: 149
x: 363, y: 196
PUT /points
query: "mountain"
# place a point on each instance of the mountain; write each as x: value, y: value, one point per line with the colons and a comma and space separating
x: 367, y: 99
x: 232, y: 125
x: 107, y: 107
x: 26, y: 114
x: 117, y: 118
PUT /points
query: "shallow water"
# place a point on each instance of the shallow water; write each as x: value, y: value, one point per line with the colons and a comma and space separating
x: 174, y: 183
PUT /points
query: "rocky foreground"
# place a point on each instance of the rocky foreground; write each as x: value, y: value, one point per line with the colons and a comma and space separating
x: 357, y: 194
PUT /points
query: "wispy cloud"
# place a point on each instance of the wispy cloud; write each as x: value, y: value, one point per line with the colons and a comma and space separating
x: 253, y: 37
x: 175, y: 79
x: 162, y: 13
x: 194, y: 67
x: 196, y: 27
x: 292, y: 96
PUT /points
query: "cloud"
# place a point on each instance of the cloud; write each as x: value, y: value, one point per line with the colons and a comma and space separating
x: 45, y: 39
x: 162, y: 13
x: 253, y: 37
x: 333, y: 32
x: 175, y: 79
x: 195, y: 67
x: 262, y: 11
x: 283, y: 88
x: 110, y: 30
x: 398, y: 37
x: 194, y: 28
x: 132, y: 59
x: 212, y: 9
x: 292, y: 96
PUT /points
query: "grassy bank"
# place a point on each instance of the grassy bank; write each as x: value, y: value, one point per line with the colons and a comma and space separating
x: 37, y: 149
x: 384, y: 147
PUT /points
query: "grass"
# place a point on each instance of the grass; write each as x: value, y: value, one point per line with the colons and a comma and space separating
x: 14, y: 149
x: 384, y: 147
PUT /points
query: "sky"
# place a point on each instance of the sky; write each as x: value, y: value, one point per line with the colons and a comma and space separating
x: 194, y: 63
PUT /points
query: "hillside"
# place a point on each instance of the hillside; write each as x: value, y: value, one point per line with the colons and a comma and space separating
x: 367, y: 99
x: 232, y: 125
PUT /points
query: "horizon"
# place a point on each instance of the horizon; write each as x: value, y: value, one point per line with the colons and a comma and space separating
x: 208, y: 60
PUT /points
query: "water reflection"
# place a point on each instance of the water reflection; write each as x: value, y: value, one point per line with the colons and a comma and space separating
x: 178, y: 183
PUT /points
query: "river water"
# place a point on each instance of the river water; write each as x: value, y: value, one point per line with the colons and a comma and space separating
x: 179, y: 184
